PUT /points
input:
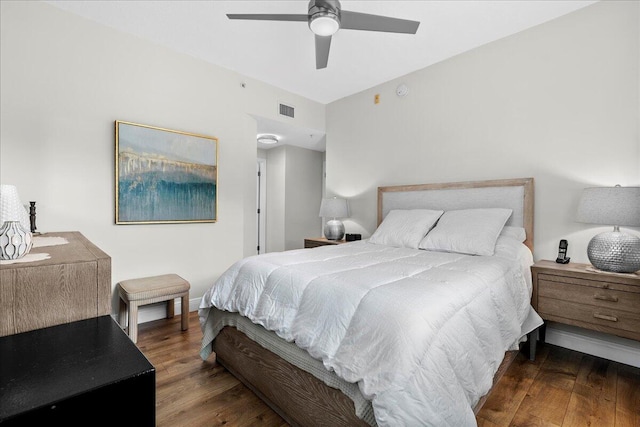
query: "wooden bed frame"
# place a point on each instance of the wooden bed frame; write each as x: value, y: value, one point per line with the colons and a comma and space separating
x: 297, y: 396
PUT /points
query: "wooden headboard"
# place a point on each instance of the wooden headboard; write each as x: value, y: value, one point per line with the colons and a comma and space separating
x: 515, y: 194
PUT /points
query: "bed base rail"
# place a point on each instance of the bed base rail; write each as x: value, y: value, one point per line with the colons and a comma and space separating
x: 297, y: 396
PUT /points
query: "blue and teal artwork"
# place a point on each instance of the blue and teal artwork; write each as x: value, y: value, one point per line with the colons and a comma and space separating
x: 164, y: 175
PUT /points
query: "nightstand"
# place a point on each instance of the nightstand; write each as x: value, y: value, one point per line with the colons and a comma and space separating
x: 321, y: 241
x: 579, y: 295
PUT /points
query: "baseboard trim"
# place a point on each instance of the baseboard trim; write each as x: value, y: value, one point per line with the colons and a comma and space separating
x: 151, y: 312
x: 594, y: 343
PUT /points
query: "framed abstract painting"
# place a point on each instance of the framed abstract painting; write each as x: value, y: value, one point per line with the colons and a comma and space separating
x: 164, y: 176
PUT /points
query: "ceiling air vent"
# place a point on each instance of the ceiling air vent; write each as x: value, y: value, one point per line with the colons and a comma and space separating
x: 286, y: 110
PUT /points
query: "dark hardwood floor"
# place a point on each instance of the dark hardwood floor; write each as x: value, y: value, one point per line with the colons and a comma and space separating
x: 564, y: 388
x: 561, y: 388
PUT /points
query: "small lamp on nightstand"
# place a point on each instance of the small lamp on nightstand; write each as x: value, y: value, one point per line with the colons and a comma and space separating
x: 334, y: 208
x: 615, y: 250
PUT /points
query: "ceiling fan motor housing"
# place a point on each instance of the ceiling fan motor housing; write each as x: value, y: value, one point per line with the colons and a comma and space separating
x: 332, y: 6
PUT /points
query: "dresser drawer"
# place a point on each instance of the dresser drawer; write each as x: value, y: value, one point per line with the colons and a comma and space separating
x: 591, y: 316
x: 590, y: 295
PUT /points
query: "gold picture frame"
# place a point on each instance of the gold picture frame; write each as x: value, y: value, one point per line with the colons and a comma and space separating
x: 164, y: 176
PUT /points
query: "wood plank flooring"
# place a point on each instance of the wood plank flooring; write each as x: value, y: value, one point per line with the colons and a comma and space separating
x: 561, y: 388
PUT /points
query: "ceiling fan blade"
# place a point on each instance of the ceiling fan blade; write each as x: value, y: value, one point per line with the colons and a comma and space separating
x: 323, y: 43
x: 269, y: 17
x: 366, y: 22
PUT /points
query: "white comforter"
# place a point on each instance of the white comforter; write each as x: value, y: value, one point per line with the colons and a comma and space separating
x: 422, y: 333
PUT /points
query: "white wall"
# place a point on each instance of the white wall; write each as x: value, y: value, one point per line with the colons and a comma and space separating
x: 294, y: 192
x: 304, y: 194
x: 558, y: 102
x: 276, y: 198
x: 65, y: 80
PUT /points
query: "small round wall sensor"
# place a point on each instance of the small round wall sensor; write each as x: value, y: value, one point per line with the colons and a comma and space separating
x: 402, y: 90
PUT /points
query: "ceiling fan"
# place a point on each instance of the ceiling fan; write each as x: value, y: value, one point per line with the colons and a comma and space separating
x: 325, y: 17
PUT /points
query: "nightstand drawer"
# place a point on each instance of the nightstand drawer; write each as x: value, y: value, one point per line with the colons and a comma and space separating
x: 605, y: 283
x: 622, y: 323
x: 590, y: 295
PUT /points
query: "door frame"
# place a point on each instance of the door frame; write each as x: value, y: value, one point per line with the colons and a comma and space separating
x: 261, y: 203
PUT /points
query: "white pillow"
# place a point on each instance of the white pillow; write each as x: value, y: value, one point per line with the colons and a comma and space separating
x: 467, y: 231
x: 405, y: 228
x: 517, y: 233
x: 510, y: 248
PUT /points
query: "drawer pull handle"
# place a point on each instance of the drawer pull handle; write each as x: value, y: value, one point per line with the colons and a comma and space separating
x: 605, y: 317
x: 606, y: 298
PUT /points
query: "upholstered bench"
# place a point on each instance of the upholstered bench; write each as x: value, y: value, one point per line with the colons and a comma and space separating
x: 148, y: 290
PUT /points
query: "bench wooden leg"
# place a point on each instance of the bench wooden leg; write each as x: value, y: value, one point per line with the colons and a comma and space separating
x: 122, y: 314
x: 133, y: 321
x: 185, y: 312
x: 170, y: 308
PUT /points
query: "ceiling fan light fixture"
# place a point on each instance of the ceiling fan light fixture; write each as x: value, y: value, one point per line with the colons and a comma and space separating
x: 324, y: 23
x: 268, y: 139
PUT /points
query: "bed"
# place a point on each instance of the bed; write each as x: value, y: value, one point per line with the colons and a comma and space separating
x: 408, y: 327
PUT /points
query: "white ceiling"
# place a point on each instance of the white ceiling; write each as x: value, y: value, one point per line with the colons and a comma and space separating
x: 282, y: 53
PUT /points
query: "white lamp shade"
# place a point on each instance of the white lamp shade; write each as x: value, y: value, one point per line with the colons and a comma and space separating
x: 614, y: 206
x: 11, y: 209
x: 334, y: 207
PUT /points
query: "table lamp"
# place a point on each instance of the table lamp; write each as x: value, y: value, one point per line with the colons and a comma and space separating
x: 334, y: 208
x: 614, y: 251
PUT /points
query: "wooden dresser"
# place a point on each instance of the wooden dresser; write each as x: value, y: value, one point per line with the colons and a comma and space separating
x: 576, y: 294
x: 73, y: 284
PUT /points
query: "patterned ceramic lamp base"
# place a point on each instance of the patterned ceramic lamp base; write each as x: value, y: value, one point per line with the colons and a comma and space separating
x: 15, y: 241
